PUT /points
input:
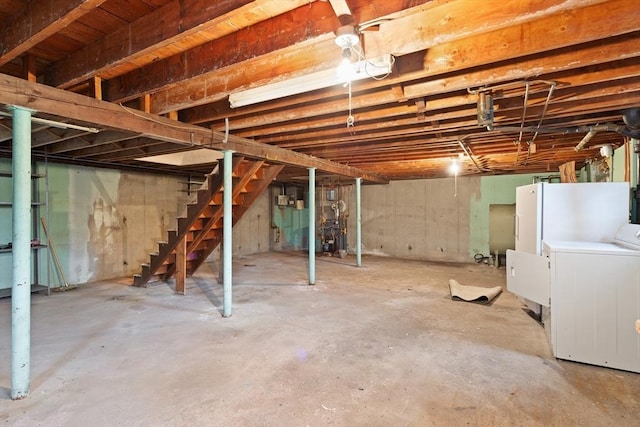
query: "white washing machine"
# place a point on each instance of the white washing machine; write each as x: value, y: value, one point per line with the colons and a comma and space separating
x: 595, y: 300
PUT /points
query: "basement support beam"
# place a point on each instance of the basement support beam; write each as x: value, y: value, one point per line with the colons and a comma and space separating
x: 312, y: 226
x: 45, y: 99
x: 227, y: 230
x: 358, y: 224
x: 21, y: 254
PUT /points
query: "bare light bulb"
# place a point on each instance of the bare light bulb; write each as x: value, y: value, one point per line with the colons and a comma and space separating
x: 345, y: 69
x: 455, y: 167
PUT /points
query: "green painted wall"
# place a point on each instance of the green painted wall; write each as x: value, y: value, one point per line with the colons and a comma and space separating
x: 618, y: 166
x: 6, y: 225
x: 291, y: 226
x: 104, y: 222
x: 493, y: 190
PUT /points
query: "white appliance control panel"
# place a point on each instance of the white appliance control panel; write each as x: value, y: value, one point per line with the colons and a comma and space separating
x: 629, y: 236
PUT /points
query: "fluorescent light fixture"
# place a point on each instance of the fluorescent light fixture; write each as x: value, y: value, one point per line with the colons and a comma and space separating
x: 185, y: 158
x: 360, y: 70
x: 62, y: 125
x: 55, y: 124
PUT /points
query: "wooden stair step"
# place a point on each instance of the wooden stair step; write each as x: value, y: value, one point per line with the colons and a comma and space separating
x: 201, y: 228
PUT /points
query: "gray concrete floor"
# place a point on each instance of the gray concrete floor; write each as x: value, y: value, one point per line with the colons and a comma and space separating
x: 373, y: 346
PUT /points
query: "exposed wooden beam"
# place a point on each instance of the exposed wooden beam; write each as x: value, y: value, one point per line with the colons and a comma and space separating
x: 14, y: 91
x: 315, y: 20
x: 455, y: 20
x: 157, y: 35
x: 340, y: 7
x: 39, y: 20
x: 129, y: 149
x: 95, y: 140
x: 463, y: 54
x: 369, y: 118
x: 315, y: 23
x: 392, y: 38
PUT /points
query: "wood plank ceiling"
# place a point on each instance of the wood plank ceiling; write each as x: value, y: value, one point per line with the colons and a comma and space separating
x: 554, y: 70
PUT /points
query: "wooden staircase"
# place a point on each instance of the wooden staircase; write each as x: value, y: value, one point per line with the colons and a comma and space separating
x: 200, y: 231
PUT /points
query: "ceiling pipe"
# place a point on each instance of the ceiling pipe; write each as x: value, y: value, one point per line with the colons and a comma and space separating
x: 585, y: 140
x: 631, y: 118
x: 468, y: 153
x: 565, y: 131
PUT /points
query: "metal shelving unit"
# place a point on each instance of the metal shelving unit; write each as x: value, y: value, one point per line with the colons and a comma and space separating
x: 37, y: 206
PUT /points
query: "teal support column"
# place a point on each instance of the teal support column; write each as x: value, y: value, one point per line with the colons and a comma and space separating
x: 21, y: 252
x: 312, y: 226
x: 358, y: 224
x: 227, y: 230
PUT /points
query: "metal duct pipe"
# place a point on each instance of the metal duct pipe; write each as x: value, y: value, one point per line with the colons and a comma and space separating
x: 485, y: 109
x: 631, y: 118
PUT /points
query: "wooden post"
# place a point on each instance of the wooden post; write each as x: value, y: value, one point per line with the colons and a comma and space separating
x: 181, y: 266
x: 96, y: 87
x: 29, y: 67
x: 145, y: 103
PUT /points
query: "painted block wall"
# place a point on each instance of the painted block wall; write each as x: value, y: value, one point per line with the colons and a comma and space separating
x: 494, y: 190
x: 6, y: 225
x: 104, y: 222
x: 618, y: 166
x: 289, y: 226
x: 415, y: 219
x: 421, y: 219
x: 251, y: 233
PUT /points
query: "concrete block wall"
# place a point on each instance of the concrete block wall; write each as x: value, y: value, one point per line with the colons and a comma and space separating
x: 104, y: 223
x: 418, y: 219
x: 414, y: 219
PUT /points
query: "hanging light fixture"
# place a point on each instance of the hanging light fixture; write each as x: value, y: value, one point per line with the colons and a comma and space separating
x: 454, y: 168
x: 346, y: 39
x: 345, y: 70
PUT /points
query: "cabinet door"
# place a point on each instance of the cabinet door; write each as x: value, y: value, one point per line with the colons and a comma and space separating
x: 528, y: 276
x: 596, y: 302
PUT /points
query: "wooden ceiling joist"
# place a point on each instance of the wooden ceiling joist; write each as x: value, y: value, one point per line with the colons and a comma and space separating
x: 211, y: 86
x: 14, y: 91
x: 39, y: 20
x: 164, y: 29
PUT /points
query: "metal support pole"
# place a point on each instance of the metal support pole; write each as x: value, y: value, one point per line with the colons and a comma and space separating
x: 312, y: 226
x: 21, y: 248
x: 358, y: 224
x: 227, y: 230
